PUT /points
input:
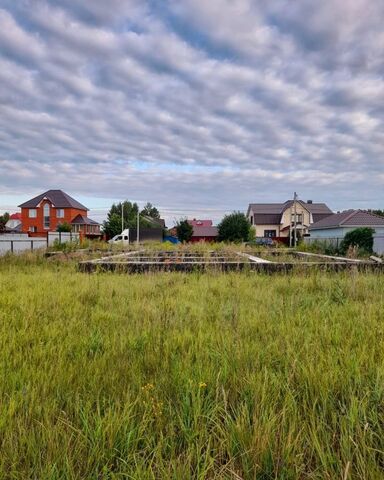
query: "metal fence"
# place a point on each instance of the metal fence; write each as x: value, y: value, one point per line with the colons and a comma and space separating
x: 16, y: 243
x: 334, y: 241
x: 378, y: 242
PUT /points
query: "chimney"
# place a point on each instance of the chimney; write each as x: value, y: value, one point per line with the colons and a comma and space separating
x: 309, y: 201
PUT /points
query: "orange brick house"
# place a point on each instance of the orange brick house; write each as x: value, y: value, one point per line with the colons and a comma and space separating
x: 48, y: 210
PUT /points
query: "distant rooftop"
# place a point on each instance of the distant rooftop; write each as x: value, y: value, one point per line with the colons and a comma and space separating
x: 205, y: 231
x: 200, y: 223
x: 58, y: 198
x: 83, y: 220
x: 349, y: 218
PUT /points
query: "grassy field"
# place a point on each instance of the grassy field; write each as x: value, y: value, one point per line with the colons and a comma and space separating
x: 199, y: 376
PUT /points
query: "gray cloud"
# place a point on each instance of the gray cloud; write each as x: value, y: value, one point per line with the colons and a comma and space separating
x: 249, y: 103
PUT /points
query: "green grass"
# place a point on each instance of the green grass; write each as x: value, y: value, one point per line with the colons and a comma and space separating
x: 189, y: 376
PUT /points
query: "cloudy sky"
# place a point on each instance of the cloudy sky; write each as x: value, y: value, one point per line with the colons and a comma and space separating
x: 197, y: 106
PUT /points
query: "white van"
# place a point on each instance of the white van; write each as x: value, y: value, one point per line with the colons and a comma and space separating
x: 121, y: 237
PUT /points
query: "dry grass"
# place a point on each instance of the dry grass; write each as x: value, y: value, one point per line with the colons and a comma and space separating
x: 172, y: 376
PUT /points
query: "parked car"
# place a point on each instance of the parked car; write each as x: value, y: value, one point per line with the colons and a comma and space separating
x: 265, y: 242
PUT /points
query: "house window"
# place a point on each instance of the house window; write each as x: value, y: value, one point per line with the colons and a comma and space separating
x: 299, y: 218
x: 32, y: 213
x: 33, y: 229
x: 46, y: 215
x: 269, y: 233
x: 59, y: 212
x: 251, y: 219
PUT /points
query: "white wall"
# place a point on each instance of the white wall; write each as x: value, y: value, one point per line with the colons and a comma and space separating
x: 378, y: 244
x: 21, y: 242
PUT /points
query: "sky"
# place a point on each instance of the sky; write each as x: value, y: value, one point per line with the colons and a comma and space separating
x: 200, y: 107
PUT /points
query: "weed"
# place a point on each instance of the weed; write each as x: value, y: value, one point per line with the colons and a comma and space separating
x: 174, y: 376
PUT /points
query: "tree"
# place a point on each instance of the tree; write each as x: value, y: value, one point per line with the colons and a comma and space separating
x: 377, y: 212
x: 235, y: 228
x: 361, y: 238
x: 3, y: 220
x: 184, y: 230
x: 64, y: 227
x: 112, y: 226
x: 150, y: 211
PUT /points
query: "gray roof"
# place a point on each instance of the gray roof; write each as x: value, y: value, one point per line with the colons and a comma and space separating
x: 58, y: 198
x: 349, y: 218
x: 270, y: 213
x: 158, y: 222
x: 82, y: 220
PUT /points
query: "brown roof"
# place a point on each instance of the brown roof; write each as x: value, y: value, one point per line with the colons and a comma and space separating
x: 58, y: 198
x: 267, y: 218
x: 319, y: 216
x: 83, y: 220
x: 350, y: 218
x: 204, y: 231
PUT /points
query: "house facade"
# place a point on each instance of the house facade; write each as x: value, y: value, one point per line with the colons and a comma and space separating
x: 335, y: 226
x: 203, y: 231
x: 278, y: 220
x: 48, y: 210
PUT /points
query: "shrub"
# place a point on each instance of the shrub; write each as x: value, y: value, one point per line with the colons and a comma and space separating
x: 319, y: 246
x: 235, y: 228
x: 184, y: 230
x: 65, y: 246
x: 64, y: 227
x: 362, y: 238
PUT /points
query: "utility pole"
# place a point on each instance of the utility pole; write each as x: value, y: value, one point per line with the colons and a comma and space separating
x: 122, y: 217
x: 138, y: 225
x: 295, y: 220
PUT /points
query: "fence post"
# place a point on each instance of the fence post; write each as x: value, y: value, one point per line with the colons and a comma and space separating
x: 60, y: 238
x: 70, y: 236
x: 47, y: 239
x: 11, y: 246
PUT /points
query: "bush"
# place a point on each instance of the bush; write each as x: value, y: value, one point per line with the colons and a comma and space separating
x: 319, y: 246
x: 64, y: 227
x: 65, y: 246
x: 184, y: 230
x: 235, y: 228
x: 362, y: 238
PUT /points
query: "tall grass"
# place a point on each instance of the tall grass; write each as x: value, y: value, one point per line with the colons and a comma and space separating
x: 199, y: 376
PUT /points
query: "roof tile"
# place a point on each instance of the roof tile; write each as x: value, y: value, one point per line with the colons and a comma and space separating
x: 58, y: 198
x: 349, y: 218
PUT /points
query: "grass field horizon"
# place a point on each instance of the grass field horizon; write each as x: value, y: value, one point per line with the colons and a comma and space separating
x: 189, y: 376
